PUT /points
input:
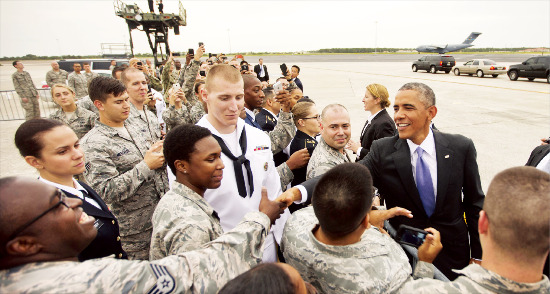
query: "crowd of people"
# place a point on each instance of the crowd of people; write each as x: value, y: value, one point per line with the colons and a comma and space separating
x: 210, y: 177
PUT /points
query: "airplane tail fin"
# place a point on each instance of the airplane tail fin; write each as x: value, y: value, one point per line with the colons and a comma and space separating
x: 471, y: 38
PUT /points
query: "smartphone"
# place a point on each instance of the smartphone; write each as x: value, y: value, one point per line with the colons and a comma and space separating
x: 411, y: 236
x: 209, y: 55
x: 191, y: 51
x: 201, y: 43
x: 202, y: 73
x: 284, y: 69
x: 139, y: 63
x: 176, y: 86
x: 278, y: 87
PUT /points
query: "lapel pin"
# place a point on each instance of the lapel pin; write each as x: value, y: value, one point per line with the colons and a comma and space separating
x: 447, y: 156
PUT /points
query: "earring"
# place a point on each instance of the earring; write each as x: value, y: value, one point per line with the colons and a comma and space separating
x: 184, y: 171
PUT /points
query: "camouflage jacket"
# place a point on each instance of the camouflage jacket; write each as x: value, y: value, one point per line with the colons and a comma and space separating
x: 87, y: 103
x: 174, y: 117
x: 187, y: 80
x: 79, y: 84
x: 56, y: 77
x: 286, y: 175
x: 196, y: 113
x: 201, y: 271
x: 147, y: 123
x: 90, y: 76
x: 154, y: 82
x: 376, y: 264
x: 183, y: 221
x: 167, y: 78
x: 24, y: 85
x: 476, y: 279
x: 283, y: 132
x: 116, y: 170
x: 324, y: 158
x: 81, y: 123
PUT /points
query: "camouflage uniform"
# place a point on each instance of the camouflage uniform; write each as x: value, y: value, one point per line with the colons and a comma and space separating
x: 201, y: 271
x: 25, y: 88
x: 167, y: 78
x: 286, y: 175
x: 81, y: 123
x: 56, y: 77
x: 187, y: 79
x: 196, y: 113
x: 476, y: 279
x: 375, y: 264
x: 174, y: 117
x: 90, y: 76
x: 87, y: 103
x: 79, y: 84
x: 324, y: 158
x: 283, y: 132
x: 148, y: 124
x: 116, y: 170
x: 154, y: 82
x: 183, y: 221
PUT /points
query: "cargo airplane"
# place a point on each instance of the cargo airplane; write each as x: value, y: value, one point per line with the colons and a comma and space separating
x: 449, y: 47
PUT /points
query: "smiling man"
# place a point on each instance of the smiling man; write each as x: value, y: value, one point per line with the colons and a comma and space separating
x: 432, y: 174
x: 335, y: 134
x: 123, y: 167
x: 42, y: 231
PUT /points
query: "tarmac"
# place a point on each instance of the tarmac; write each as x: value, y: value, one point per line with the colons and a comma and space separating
x: 505, y: 119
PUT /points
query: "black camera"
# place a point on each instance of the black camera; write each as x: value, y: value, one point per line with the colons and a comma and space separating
x: 202, y: 73
x: 244, y: 67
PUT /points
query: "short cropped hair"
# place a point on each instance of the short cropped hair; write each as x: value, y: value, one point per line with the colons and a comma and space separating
x: 129, y: 70
x: 28, y: 137
x: 342, y: 198
x: 15, y: 63
x: 380, y: 92
x: 85, y: 63
x: 117, y: 69
x: 180, y: 143
x: 335, y: 106
x: 266, y: 278
x: 269, y: 95
x: 222, y: 71
x: 425, y: 93
x: 197, y: 85
x: 101, y: 87
x: 517, y: 205
x: 297, y: 67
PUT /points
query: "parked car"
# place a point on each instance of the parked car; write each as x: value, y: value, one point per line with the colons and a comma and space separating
x: 95, y: 64
x: 434, y: 63
x: 537, y: 67
x: 480, y: 67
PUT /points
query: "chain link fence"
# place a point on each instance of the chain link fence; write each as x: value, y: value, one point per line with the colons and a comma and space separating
x: 10, y: 105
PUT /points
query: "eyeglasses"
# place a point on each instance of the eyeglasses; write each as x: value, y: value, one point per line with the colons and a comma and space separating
x: 62, y: 201
x: 313, y: 117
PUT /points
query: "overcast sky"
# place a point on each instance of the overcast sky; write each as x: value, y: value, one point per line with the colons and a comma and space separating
x: 80, y: 26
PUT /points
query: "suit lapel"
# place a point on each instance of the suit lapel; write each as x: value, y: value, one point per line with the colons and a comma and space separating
x: 402, y: 161
x: 444, y: 157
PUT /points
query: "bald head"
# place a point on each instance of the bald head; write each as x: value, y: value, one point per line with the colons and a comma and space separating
x: 55, y: 65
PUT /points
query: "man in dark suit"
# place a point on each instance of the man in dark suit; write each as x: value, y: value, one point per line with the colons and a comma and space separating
x: 267, y: 117
x: 537, y: 155
x: 430, y: 181
x: 294, y: 72
x: 261, y: 71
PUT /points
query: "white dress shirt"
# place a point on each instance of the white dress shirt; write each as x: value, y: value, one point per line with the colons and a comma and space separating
x: 77, y: 190
x: 428, y: 145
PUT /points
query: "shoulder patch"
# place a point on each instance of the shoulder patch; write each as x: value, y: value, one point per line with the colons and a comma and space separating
x: 165, y: 282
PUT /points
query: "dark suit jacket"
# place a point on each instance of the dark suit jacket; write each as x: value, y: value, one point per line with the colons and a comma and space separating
x: 538, y: 154
x: 266, y: 120
x: 107, y: 241
x: 257, y: 71
x: 381, y: 126
x: 299, y: 84
x: 389, y: 161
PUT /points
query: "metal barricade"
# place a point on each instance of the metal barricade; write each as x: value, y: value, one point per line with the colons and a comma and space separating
x: 10, y: 105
